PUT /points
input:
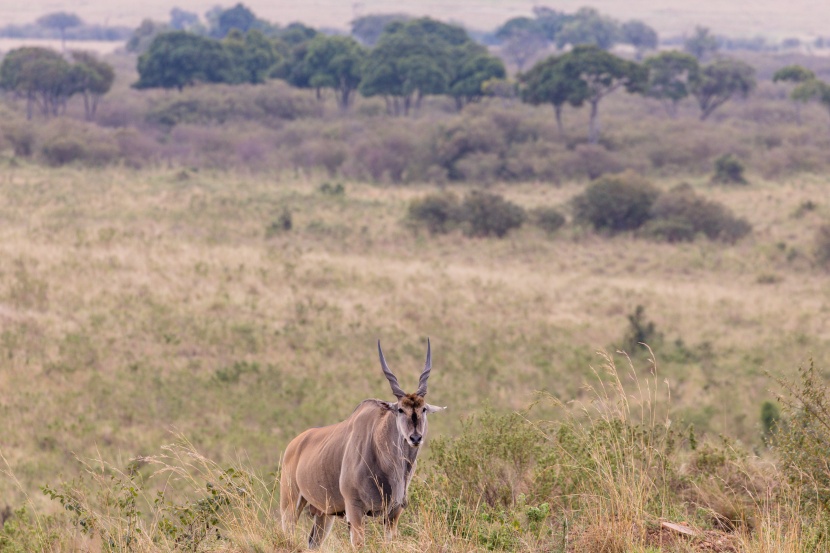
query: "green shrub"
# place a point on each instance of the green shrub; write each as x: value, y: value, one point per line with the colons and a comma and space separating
x: 548, y: 219
x: 62, y: 150
x: 770, y: 417
x: 486, y: 214
x: 218, y: 104
x: 728, y: 170
x: 492, y: 459
x: 328, y: 189
x: 439, y: 213
x: 639, y: 331
x: 804, y: 443
x: 822, y: 245
x: 616, y: 203
x: 283, y: 223
x: 21, y: 533
x: 680, y: 214
x: 22, y: 138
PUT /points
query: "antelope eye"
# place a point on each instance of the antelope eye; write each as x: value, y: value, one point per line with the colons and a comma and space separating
x: 400, y: 410
x: 425, y: 409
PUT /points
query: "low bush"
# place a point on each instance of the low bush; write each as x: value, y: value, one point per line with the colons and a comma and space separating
x: 486, y: 214
x: 822, y: 245
x: 680, y: 215
x: 640, y: 331
x: 491, y: 460
x: 591, y: 161
x: 21, y: 136
x: 481, y: 214
x: 62, y: 150
x: 804, y: 442
x: 549, y: 219
x: 439, y: 213
x: 728, y: 170
x: 385, y: 155
x: 616, y: 203
x: 268, y: 104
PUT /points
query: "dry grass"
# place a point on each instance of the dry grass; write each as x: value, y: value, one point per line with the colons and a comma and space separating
x: 134, y: 304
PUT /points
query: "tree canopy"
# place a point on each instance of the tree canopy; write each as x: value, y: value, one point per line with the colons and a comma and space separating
x: 334, y: 62
x: 60, y: 21
x: 39, y: 75
x: 588, y: 26
x: 177, y: 59
x: 47, y: 80
x: 473, y: 67
x: 368, y: 28
x: 640, y: 36
x: 548, y: 82
x: 238, y: 17
x: 521, y: 39
x: 92, y: 78
x: 793, y: 74
x: 422, y: 57
x: 702, y: 44
x: 806, y: 85
x: 717, y: 83
x: 669, y: 76
x: 599, y: 74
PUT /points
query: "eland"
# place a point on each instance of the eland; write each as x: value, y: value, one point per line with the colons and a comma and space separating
x: 359, y: 467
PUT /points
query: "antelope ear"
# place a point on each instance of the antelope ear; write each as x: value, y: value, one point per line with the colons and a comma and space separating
x: 434, y: 408
x: 391, y: 405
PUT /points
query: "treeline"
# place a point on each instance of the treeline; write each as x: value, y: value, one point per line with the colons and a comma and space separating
x: 410, y: 60
x: 65, y: 26
x: 414, y: 58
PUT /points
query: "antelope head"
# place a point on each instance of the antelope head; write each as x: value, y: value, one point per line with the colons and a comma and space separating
x: 410, y: 409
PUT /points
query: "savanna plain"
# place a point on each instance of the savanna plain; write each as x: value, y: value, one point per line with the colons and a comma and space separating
x: 197, y: 285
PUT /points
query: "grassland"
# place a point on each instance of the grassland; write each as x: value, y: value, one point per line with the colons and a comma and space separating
x: 141, y: 304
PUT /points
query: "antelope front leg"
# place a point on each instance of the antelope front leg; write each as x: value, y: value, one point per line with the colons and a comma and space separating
x: 354, y: 516
x: 392, y: 523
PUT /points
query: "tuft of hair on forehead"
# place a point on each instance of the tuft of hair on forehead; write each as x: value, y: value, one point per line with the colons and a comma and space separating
x: 413, y: 401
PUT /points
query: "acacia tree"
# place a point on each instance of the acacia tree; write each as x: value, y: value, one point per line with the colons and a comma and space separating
x: 640, y: 36
x: 39, y: 75
x: 797, y: 75
x: 702, y: 44
x: 588, y: 26
x: 177, y: 59
x: 473, y: 67
x: 411, y: 60
x: 521, y: 39
x: 601, y: 73
x: 368, y: 28
x: 252, y: 56
x: 238, y: 17
x: 669, y: 76
x: 547, y: 82
x: 92, y: 78
x: 334, y: 62
x: 812, y: 89
x: 717, y: 83
x: 60, y: 21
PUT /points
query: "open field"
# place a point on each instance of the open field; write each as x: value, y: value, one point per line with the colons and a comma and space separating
x: 212, y: 268
x: 803, y: 18
x: 139, y: 303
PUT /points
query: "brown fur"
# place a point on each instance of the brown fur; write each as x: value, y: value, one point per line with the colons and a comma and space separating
x: 412, y: 401
x: 360, y: 466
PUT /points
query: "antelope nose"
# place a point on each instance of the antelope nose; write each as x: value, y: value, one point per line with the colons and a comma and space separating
x: 416, y: 439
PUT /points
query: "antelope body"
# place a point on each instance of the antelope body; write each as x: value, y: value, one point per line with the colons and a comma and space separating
x: 359, y: 467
